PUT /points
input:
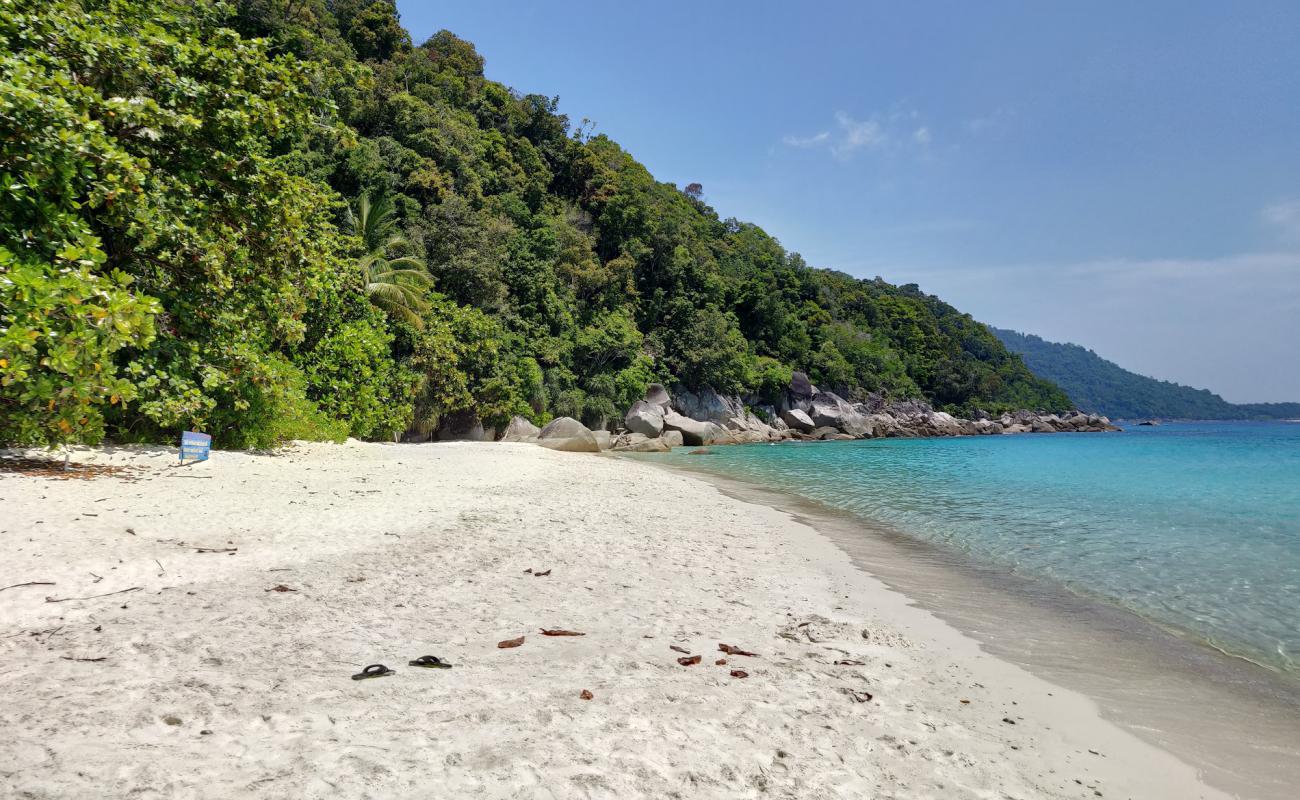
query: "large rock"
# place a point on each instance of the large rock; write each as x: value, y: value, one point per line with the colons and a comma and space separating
x: 656, y: 394
x: 695, y: 432
x: 520, y: 430
x: 672, y: 439
x: 707, y: 405
x: 640, y: 443
x: 604, y: 439
x: 800, y: 387
x: 567, y: 434
x: 830, y: 410
x: 827, y: 433
x: 645, y: 418
x: 797, y: 420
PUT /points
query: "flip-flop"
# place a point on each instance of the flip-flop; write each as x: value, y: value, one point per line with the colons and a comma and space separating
x: 374, y: 671
x: 431, y: 662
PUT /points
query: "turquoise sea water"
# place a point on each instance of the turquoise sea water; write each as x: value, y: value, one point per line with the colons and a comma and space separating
x: 1193, y: 526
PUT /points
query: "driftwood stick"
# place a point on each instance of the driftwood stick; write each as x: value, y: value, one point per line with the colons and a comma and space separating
x: 29, y: 583
x: 70, y: 658
x: 92, y: 597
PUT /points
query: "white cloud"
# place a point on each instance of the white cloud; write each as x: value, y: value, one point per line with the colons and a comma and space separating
x: 879, y: 132
x: 994, y: 123
x: 808, y: 141
x: 1284, y: 217
x: 855, y: 134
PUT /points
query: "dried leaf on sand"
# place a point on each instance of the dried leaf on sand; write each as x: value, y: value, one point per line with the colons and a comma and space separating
x: 732, y: 650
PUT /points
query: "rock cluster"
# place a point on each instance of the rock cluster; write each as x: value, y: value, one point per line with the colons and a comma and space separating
x: 662, y: 421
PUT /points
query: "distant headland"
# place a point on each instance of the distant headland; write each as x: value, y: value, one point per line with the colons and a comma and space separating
x: 1103, y: 387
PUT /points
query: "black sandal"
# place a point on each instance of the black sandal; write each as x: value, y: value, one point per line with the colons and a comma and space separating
x: 432, y: 662
x: 374, y: 671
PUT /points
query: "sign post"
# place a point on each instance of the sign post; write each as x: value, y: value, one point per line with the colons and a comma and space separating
x: 195, y: 446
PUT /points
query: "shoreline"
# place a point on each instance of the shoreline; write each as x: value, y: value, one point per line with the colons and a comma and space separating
x: 1164, y: 685
x: 215, y: 682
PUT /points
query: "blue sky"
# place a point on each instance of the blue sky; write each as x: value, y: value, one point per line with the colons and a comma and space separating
x: 1125, y: 176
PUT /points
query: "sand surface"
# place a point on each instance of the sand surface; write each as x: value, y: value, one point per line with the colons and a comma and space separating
x: 206, y: 684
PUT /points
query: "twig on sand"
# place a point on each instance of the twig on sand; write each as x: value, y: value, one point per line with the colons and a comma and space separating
x: 161, y: 568
x: 70, y: 658
x: 29, y: 583
x: 91, y: 597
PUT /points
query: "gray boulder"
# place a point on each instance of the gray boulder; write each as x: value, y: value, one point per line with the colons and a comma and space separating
x: 797, y: 420
x: 637, y: 443
x: 831, y: 410
x: 672, y: 439
x: 520, y: 430
x: 645, y: 418
x: 604, y: 439
x: 800, y: 387
x: 569, y: 435
x: 695, y: 432
x: 656, y: 394
x: 707, y: 405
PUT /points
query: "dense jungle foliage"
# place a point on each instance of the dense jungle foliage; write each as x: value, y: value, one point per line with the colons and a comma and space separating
x: 1104, y: 387
x: 274, y: 219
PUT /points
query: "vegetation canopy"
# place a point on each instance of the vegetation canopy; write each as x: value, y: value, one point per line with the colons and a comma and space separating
x: 272, y: 219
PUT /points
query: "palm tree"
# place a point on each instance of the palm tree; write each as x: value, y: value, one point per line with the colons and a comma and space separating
x: 394, y: 283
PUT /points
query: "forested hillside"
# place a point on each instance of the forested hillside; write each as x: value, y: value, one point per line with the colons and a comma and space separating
x: 1103, y: 387
x: 281, y: 218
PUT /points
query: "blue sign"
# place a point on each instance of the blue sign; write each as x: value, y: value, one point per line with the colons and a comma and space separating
x: 195, y: 446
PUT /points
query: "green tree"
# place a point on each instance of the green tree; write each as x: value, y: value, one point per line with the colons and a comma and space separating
x: 60, y: 326
x: 396, y: 283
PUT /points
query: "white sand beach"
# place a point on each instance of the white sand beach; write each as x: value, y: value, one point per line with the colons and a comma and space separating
x: 184, y: 674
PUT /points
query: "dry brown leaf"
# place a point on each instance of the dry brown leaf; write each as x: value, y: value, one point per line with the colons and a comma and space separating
x: 679, y: 649
x: 510, y: 643
x: 560, y: 632
x: 739, y: 673
x: 586, y: 695
x: 689, y: 661
x: 732, y: 650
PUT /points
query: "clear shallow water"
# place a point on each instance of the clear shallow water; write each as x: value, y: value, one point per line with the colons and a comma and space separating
x: 1193, y: 526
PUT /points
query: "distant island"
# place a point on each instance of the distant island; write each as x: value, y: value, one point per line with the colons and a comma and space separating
x: 1103, y: 387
